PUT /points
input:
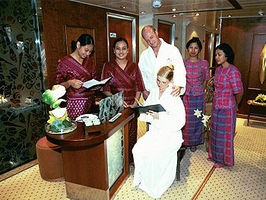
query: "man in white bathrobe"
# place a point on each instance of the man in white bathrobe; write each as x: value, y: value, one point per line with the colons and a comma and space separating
x: 158, y: 54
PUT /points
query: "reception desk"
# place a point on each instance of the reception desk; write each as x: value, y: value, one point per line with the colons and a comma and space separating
x: 95, y: 159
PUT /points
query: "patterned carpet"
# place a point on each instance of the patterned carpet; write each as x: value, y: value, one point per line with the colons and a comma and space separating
x: 199, y: 180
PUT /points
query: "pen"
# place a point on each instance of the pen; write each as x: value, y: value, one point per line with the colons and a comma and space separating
x: 140, y: 104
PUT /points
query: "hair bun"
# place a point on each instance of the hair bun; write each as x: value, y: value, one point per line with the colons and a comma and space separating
x: 171, y: 67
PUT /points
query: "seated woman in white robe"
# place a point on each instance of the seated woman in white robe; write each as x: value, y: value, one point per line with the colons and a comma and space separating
x: 155, y: 153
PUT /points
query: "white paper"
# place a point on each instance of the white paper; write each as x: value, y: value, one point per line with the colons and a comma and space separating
x: 93, y: 82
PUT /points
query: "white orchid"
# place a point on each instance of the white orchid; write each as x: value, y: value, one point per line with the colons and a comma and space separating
x: 197, y: 113
x: 205, y: 120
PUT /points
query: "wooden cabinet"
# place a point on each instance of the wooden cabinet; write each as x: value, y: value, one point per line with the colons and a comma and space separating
x: 89, y: 154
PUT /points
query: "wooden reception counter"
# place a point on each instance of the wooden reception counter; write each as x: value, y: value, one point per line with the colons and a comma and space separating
x: 90, y: 157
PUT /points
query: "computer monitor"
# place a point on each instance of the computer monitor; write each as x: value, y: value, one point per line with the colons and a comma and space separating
x: 110, y: 106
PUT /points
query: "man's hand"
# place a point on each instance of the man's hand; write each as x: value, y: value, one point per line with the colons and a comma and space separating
x: 176, y: 90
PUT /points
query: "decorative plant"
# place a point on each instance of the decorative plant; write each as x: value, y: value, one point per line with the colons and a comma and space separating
x: 206, y: 122
x: 261, y: 98
x: 58, y: 118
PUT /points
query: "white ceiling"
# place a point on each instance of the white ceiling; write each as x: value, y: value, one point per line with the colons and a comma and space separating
x: 137, y: 7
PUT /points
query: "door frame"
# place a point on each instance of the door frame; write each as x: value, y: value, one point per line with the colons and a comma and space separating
x: 123, y: 17
x: 172, y: 24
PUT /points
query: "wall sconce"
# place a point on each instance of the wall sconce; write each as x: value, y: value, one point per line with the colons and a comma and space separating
x: 261, y: 12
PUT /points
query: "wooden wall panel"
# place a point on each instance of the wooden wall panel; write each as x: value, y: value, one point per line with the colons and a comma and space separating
x: 115, y: 25
x: 60, y: 13
x: 239, y: 34
x: 165, y: 31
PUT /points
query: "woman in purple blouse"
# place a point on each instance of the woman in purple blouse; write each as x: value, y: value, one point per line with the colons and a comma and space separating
x: 72, y: 71
x: 196, y: 78
x: 227, y: 95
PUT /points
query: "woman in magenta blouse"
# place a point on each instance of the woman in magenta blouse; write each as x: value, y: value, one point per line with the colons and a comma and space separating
x: 193, y: 99
x: 227, y: 95
x: 72, y: 71
x: 126, y: 77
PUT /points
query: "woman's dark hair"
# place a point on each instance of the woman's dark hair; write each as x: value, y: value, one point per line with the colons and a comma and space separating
x: 84, y: 40
x: 228, y: 51
x: 194, y: 40
x: 119, y: 40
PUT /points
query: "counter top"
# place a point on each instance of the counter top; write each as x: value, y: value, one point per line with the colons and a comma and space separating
x: 91, y: 135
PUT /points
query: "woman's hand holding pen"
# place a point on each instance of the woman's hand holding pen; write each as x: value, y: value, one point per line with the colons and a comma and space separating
x: 128, y: 106
x: 125, y: 104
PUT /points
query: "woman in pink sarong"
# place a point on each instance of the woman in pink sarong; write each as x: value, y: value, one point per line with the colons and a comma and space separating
x: 126, y: 77
x: 72, y: 71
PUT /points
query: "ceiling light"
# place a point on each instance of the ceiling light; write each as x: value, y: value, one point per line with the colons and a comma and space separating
x: 229, y: 16
x: 142, y: 12
x: 197, y: 14
x: 156, y: 3
x: 174, y: 9
x: 123, y: 7
x: 174, y: 16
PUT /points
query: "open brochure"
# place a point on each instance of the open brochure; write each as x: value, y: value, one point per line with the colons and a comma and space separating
x: 94, y: 84
x: 144, y: 109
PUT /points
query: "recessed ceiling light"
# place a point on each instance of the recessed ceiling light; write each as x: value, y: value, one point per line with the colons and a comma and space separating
x: 123, y: 7
x: 173, y: 9
x: 174, y: 15
x: 142, y: 12
x: 197, y: 14
x: 156, y: 3
x: 229, y: 16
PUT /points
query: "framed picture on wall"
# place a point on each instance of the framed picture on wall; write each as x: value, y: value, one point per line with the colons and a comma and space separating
x: 257, y: 63
x: 72, y: 33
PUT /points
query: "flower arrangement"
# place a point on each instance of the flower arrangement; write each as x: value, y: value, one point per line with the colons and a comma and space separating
x: 58, y: 118
x: 206, y: 122
x: 261, y: 98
